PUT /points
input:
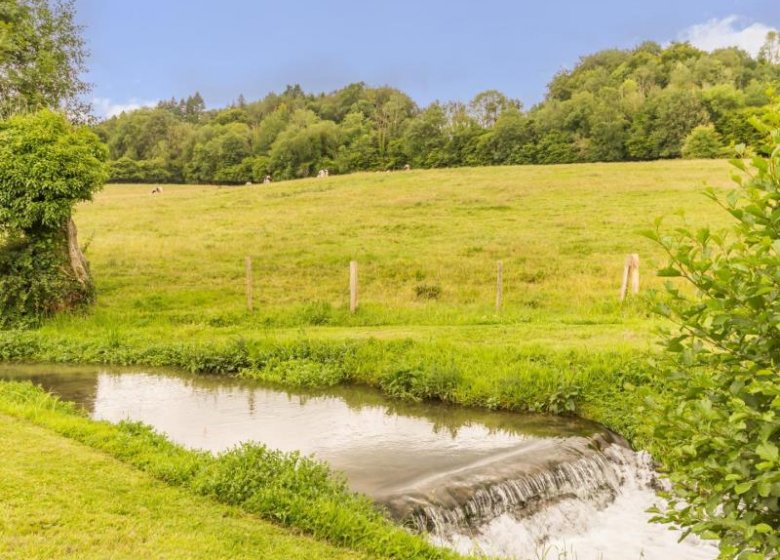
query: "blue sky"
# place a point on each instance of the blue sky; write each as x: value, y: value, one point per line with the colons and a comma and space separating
x: 146, y: 50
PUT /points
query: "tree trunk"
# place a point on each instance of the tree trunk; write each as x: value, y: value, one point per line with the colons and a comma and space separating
x: 78, y: 262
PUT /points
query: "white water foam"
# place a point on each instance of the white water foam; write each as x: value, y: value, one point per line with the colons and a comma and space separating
x: 577, y: 529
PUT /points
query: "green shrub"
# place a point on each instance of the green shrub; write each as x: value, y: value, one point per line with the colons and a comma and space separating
x: 317, y: 313
x: 720, y: 434
x: 297, y: 372
x: 702, y: 143
x: 427, y: 291
x: 241, y: 472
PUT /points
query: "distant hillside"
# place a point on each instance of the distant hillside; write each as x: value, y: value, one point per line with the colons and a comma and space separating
x: 641, y: 104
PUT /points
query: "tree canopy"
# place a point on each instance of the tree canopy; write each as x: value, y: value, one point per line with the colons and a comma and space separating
x: 42, y: 57
x: 636, y: 104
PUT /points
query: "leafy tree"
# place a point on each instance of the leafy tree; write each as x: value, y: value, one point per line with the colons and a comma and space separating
x: 194, y: 106
x: 304, y: 147
x: 660, y: 128
x: 425, y: 139
x: 722, y: 427
x: 269, y: 129
x: 41, y: 57
x: 488, y: 105
x: 46, y: 167
x: 358, y: 146
x: 126, y: 170
x: 231, y: 115
x: 708, y: 71
x: 770, y: 50
x: 557, y: 147
x: 393, y: 109
x: 506, y: 142
x: 722, y: 101
x: 702, y: 143
x: 608, y: 133
x: 463, y: 134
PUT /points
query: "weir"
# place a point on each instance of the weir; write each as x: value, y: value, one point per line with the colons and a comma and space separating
x: 477, y: 481
x: 519, y: 482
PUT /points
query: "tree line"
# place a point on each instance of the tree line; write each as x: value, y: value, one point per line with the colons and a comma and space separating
x: 645, y: 103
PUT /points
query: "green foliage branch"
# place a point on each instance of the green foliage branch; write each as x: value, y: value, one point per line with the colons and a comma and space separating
x: 719, y: 435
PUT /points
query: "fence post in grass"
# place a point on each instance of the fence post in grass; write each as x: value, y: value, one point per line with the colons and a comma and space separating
x: 353, y: 286
x: 249, y: 284
x: 630, y: 271
x: 635, y: 273
x: 499, y: 286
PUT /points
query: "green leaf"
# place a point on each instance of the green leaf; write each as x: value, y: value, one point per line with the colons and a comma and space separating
x: 669, y: 272
x: 767, y: 451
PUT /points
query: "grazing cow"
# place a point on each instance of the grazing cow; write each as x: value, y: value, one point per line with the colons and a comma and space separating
x: 407, y: 167
x: 267, y: 180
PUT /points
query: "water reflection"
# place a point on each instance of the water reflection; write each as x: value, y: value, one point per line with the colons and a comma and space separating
x: 384, y: 447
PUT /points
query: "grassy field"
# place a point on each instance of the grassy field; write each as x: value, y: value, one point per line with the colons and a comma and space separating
x: 172, y: 266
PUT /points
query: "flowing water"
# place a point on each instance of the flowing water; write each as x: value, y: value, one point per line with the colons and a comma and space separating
x: 501, y: 484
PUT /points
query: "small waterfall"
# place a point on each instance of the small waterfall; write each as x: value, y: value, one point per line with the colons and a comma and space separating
x: 572, y: 499
x: 519, y: 482
x: 589, y: 478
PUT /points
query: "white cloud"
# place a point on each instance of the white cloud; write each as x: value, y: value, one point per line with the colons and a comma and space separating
x: 730, y: 31
x: 105, y: 107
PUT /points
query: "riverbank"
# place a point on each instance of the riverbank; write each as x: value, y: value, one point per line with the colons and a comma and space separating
x: 63, y: 499
x: 609, y: 387
x: 134, y: 488
x: 429, y: 464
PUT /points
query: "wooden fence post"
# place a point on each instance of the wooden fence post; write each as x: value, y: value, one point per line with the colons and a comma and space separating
x: 499, y: 287
x: 353, y: 286
x: 249, y: 284
x: 630, y: 271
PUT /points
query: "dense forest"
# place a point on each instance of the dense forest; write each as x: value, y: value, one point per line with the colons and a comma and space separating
x: 646, y: 103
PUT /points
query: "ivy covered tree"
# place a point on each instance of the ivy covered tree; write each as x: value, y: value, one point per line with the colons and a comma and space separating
x: 47, y: 166
x: 721, y: 432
